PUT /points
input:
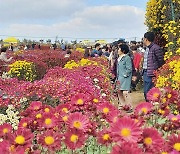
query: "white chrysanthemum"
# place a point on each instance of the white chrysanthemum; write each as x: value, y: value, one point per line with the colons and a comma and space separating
x: 104, y: 95
x: 10, y: 107
x: 5, y: 75
x: 96, y: 80
x: 24, y: 99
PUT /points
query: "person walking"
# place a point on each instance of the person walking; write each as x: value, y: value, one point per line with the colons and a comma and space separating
x: 124, y: 75
x: 153, y: 59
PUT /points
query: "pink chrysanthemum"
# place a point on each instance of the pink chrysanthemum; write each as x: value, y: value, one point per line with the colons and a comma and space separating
x: 164, y: 149
x: 113, y: 116
x: 126, y: 148
x: 21, y: 139
x: 5, y: 147
x: 50, y: 140
x: 49, y: 121
x: 152, y: 140
x: 106, y: 108
x: 4, y: 102
x: 125, y: 129
x: 74, y: 139
x: 63, y: 108
x: 5, y: 129
x: 174, y: 118
x: 143, y: 108
x: 78, y: 121
x: 96, y: 100
x: 64, y: 118
x: 35, y: 105
x: 47, y: 109
x: 154, y: 94
x: 25, y: 123
x: 78, y: 99
x: 104, y: 137
x: 37, y: 115
x: 174, y: 142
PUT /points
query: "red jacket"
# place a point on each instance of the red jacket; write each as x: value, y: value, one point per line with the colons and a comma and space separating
x: 137, y: 60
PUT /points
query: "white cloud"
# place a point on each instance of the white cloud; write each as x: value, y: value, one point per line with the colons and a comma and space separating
x: 90, y: 22
x: 17, y: 10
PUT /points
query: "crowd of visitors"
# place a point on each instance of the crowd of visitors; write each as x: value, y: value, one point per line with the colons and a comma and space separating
x: 129, y: 62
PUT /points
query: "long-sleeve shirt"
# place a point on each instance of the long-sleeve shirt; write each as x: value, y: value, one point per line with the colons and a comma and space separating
x: 137, y: 60
x: 4, y: 58
x: 155, y: 59
x: 145, y: 58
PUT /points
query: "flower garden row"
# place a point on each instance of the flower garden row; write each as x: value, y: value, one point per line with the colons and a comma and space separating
x: 64, y: 105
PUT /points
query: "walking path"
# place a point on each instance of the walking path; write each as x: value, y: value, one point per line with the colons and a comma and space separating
x: 137, y: 97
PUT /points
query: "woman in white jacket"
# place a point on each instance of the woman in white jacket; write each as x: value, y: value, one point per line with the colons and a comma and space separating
x: 3, y: 56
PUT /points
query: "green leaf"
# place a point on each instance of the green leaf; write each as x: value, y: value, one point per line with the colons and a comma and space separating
x: 161, y: 121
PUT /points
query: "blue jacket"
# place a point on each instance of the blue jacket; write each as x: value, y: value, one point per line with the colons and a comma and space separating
x: 124, y: 73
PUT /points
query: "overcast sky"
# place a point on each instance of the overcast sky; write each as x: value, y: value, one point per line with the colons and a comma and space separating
x: 71, y: 19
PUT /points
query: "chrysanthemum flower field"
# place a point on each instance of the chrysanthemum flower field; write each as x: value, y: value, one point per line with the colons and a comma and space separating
x: 67, y: 107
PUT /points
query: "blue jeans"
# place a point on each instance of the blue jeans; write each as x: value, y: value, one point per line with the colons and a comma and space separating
x: 148, y: 84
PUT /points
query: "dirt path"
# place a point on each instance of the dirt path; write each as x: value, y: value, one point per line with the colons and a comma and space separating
x: 137, y: 97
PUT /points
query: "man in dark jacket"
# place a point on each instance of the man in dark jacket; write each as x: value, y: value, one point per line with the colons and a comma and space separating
x: 153, y: 59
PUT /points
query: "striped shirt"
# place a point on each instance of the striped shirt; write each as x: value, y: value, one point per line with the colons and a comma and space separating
x: 145, y: 58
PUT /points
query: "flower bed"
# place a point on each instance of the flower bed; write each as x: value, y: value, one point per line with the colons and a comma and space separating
x: 70, y: 110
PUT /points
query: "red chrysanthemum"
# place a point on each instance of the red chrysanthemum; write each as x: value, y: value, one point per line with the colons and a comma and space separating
x: 25, y: 123
x: 104, y: 137
x: 171, y: 96
x: 152, y: 140
x: 154, y: 94
x: 164, y: 112
x: 78, y: 121
x: 50, y: 140
x: 174, y: 142
x: 74, y: 139
x: 22, y: 138
x: 125, y: 129
x: 106, y: 108
x: 35, y: 105
x: 49, y: 121
x: 126, y: 148
x: 143, y: 108
x: 5, y: 129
